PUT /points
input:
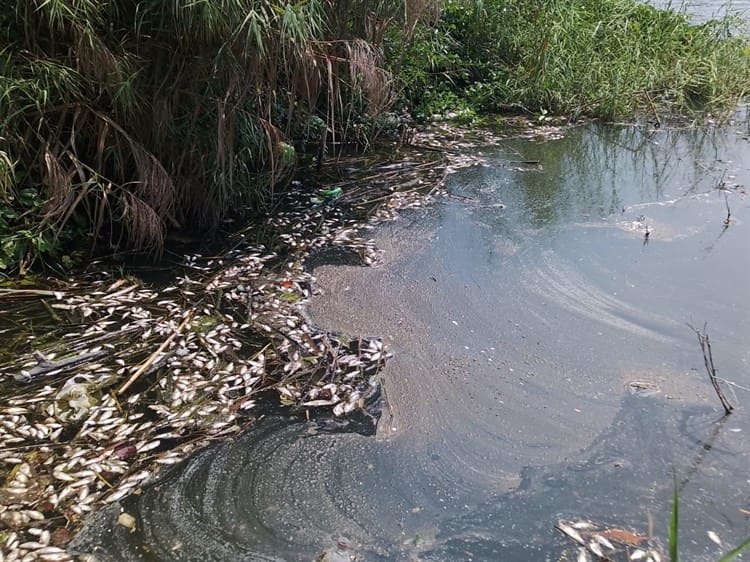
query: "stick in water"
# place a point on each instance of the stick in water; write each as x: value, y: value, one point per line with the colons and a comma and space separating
x: 150, y: 361
x: 708, y: 361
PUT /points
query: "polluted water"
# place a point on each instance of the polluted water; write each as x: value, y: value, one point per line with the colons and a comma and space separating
x: 545, y: 392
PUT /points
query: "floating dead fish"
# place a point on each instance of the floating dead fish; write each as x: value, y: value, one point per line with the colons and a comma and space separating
x: 193, y: 384
x: 604, y: 542
x: 571, y: 532
x: 610, y: 543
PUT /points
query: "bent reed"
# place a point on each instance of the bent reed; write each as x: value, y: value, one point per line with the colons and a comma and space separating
x: 123, y: 119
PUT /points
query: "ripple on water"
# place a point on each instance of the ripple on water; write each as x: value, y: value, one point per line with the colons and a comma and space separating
x: 515, y: 333
x: 287, y: 491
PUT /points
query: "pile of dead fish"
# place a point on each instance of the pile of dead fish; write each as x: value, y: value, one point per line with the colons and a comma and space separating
x: 598, y: 542
x: 125, y: 378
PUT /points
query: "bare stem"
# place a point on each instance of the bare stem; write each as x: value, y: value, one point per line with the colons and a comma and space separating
x: 708, y: 361
x: 728, y: 220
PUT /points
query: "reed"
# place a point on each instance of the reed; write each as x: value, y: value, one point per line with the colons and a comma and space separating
x: 124, y: 119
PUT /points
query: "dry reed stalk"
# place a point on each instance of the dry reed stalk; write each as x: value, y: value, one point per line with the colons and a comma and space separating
x: 708, y: 362
x: 155, y: 355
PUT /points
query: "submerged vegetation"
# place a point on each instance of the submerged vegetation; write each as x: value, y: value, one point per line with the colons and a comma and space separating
x: 123, y: 120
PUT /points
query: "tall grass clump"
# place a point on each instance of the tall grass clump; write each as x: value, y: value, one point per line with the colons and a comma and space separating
x: 602, y: 58
x: 122, y: 119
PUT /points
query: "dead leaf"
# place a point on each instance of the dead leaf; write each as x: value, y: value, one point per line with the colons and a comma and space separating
x: 624, y: 536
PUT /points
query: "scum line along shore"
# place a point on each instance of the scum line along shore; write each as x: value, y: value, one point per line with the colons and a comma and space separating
x: 107, y: 380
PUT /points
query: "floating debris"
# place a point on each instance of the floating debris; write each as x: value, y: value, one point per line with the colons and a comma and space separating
x: 643, y: 388
x: 126, y: 520
x: 110, y: 380
x: 608, y: 543
x: 714, y: 537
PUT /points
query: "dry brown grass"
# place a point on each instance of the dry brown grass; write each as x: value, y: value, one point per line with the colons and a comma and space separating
x: 174, y: 114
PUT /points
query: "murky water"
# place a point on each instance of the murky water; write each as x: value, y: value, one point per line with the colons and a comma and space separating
x: 517, y: 330
x: 543, y: 368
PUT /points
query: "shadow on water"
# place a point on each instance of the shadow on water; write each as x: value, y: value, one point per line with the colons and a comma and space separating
x: 526, y: 317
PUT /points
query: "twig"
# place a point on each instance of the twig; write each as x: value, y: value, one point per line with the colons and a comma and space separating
x: 708, y: 361
x: 727, y: 221
x: 734, y: 384
x: 148, y: 362
x: 29, y: 292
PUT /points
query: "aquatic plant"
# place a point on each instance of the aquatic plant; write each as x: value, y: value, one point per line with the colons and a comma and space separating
x: 674, y: 523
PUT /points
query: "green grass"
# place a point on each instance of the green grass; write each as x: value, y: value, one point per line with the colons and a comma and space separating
x: 673, y: 535
x: 130, y: 118
x: 673, y: 530
x: 601, y: 58
x: 120, y: 120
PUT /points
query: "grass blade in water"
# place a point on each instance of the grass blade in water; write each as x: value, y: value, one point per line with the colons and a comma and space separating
x: 674, y: 555
x: 734, y: 553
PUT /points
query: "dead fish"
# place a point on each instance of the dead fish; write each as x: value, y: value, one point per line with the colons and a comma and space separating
x: 571, y: 532
x: 624, y: 536
x: 604, y: 542
x: 119, y: 494
x: 596, y: 549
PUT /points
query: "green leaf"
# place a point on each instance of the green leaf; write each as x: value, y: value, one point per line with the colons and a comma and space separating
x: 674, y: 555
x: 734, y: 553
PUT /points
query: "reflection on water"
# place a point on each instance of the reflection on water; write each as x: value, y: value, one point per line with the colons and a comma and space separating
x: 702, y: 10
x: 515, y: 333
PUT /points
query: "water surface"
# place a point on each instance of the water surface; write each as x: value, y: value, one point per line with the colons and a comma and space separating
x: 521, y: 310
